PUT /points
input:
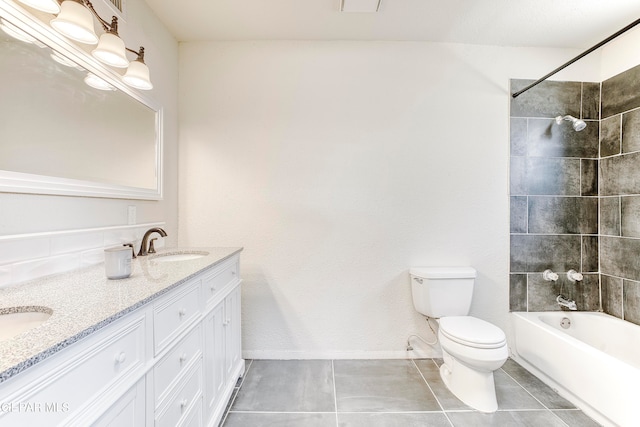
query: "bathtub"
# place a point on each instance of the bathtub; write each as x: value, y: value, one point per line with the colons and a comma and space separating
x: 594, y: 363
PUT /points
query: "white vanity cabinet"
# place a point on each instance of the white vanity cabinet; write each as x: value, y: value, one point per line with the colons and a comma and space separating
x: 171, y: 362
x: 222, y: 346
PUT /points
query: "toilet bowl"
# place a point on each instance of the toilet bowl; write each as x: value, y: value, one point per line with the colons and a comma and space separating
x: 471, y: 349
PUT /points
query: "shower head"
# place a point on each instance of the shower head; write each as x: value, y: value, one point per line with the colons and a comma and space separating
x: 577, y: 124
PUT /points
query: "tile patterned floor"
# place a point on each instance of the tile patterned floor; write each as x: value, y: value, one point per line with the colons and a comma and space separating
x: 386, y: 393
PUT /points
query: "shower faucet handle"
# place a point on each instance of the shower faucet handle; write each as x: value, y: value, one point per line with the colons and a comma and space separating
x: 574, y: 276
x: 549, y: 275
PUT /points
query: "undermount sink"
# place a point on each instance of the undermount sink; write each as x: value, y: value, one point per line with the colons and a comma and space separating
x: 183, y: 256
x: 16, y: 320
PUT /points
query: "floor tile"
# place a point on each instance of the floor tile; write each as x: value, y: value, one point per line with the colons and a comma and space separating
x: 536, y: 387
x: 505, y: 419
x: 265, y: 419
x: 575, y: 418
x: 381, y: 386
x: 511, y: 395
x: 287, y: 386
x: 393, y: 420
x: 431, y: 372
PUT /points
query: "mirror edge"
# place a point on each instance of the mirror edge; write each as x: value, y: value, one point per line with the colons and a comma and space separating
x: 17, y: 182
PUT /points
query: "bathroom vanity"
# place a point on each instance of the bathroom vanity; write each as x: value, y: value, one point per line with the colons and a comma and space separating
x: 161, y: 348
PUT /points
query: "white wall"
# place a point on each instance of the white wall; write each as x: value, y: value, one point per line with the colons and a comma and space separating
x: 20, y: 213
x: 338, y: 166
x: 620, y: 54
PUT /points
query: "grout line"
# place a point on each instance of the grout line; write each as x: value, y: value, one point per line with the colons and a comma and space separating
x: 431, y: 390
x: 335, y: 394
x: 537, y: 400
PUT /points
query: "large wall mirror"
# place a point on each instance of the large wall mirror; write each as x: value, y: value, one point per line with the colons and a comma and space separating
x: 58, y: 134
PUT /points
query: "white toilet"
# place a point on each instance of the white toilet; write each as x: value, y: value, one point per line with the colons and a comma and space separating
x: 471, y: 348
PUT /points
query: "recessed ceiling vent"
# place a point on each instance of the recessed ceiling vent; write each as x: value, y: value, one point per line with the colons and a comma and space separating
x: 359, y: 6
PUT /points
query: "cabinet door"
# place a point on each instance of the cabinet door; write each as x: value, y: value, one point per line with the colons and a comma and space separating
x: 214, y: 357
x: 128, y: 411
x: 233, y: 342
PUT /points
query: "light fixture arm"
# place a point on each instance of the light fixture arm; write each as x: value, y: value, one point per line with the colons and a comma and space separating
x: 140, y: 53
x: 110, y: 28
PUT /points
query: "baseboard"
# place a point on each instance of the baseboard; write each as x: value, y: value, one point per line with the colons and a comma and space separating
x: 307, y: 355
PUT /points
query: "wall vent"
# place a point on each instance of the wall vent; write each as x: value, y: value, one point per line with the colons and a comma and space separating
x: 117, y: 4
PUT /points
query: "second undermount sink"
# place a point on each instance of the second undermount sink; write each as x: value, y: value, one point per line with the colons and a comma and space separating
x: 181, y: 256
x: 16, y: 320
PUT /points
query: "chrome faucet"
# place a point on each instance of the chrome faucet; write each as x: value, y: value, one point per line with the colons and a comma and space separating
x: 145, y: 248
x: 563, y: 302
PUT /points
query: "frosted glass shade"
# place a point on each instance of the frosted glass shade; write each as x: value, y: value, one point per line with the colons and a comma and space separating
x: 137, y: 76
x: 111, y: 51
x: 48, y: 6
x: 75, y: 22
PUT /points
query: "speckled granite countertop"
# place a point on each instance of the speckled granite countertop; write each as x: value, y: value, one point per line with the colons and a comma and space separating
x: 84, y: 301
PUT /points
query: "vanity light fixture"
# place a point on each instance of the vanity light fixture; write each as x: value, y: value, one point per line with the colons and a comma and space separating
x: 137, y: 74
x: 75, y: 21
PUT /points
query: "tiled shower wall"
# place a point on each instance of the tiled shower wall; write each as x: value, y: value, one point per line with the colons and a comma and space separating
x: 554, y: 195
x: 575, y: 196
x: 620, y: 196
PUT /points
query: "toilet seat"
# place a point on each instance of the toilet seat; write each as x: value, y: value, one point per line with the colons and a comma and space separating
x: 472, y: 332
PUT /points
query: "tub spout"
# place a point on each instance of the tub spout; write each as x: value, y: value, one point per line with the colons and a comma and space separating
x: 563, y: 302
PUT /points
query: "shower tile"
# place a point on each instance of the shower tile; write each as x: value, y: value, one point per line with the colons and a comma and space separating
x: 552, y: 176
x: 590, y: 254
x: 610, y: 136
x: 563, y: 215
x: 536, y: 387
x: 262, y: 419
x: 619, y: 257
x: 631, y: 298
x: 542, y: 294
x: 619, y: 93
x: 610, y: 216
x: 518, y: 208
x: 575, y: 418
x: 501, y: 418
x: 393, y: 420
x: 547, y: 99
x: 431, y: 372
x: 517, y: 292
x: 611, y: 288
x: 630, y: 216
x: 590, y: 101
x: 518, y: 131
x: 533, y: 253
x: 381, y: 386
x: 620, y: 175
x: 287, y: 386
x: 589, y: 181
x: 631, y: 131
x: 518, y: 174
x: 545, y: 138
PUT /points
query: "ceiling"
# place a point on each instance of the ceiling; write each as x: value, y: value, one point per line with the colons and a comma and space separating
x: 540, y: 23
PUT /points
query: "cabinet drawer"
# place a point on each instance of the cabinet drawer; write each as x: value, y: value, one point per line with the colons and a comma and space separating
x: 88, y: 370
x: 173, y: 314
x: 178, y: 407
x: 218, y: 280
x: 169, y: 369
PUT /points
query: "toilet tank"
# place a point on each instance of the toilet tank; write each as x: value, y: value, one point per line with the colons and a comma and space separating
x: 442, y: 291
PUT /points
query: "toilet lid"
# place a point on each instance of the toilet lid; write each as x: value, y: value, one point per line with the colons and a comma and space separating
x: 472, y: 332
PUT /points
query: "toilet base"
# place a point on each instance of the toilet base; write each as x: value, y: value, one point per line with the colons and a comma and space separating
x: 475, y: 388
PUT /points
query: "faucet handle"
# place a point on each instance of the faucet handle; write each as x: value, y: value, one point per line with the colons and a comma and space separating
x: 152, y: 250
x: 133, y: 251
x: 549, y: 275
x: 574, y: 276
